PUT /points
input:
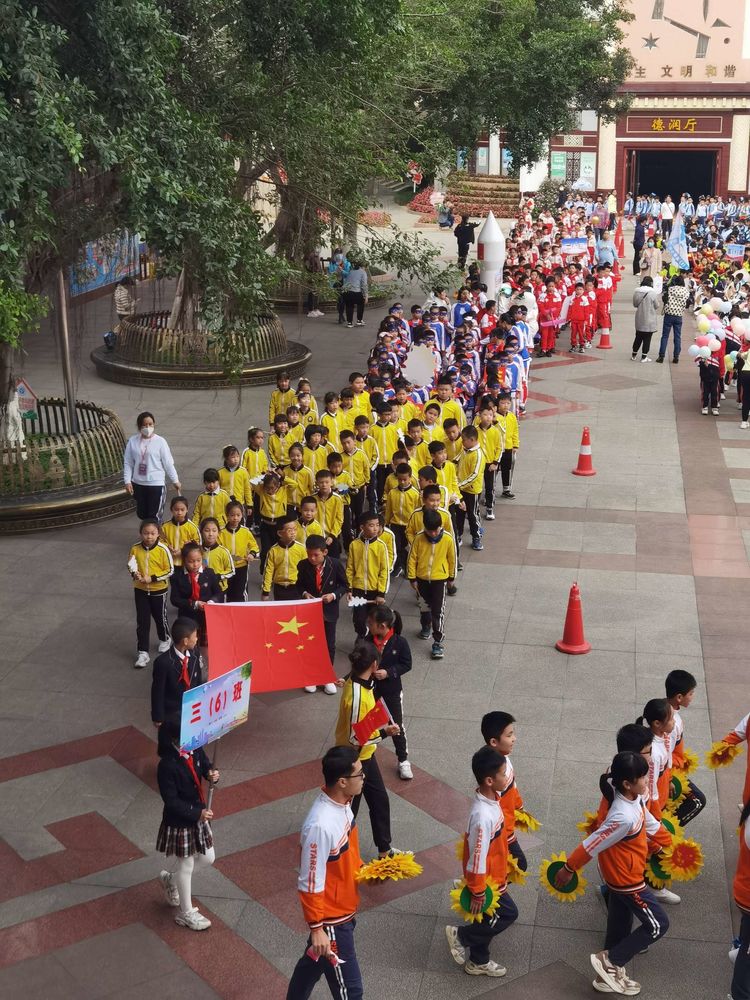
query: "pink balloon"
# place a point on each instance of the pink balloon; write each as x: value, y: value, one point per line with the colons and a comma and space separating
x: 712, y: 317
x: 702, y: 340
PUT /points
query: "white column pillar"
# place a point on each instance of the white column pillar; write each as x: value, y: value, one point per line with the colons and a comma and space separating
x: 738, y: 153
x: 606, y: 161
x: 494, y: 167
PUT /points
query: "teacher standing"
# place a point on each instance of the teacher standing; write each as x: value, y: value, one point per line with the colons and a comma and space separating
x: 147, y: 465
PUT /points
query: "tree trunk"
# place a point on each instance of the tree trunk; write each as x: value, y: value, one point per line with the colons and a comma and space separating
x: 185, y: 306
x: 11, y: 424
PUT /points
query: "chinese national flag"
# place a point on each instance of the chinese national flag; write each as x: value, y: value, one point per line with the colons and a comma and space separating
x: 375, y: 719
x: 284, y: 639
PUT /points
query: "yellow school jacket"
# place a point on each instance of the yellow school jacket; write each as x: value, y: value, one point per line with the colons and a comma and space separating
x: 255, y: 462
x: 508, y: 427
x: 400, y: 505
x: 416, y: 523
x: 368, y: 566
x: 296, y: 434
x: 330, y: 514
x: 362, y: 406
x: 273, y: 505
x: 211, y: 505
x: 386, y: 439
x: 347, y: 418
x: 430, y: 560
x: 299, y: 483
x: 316, y: 459
x: 305, y: 419
x: 357, y: 699
x: 155, y: 563
x: 433, y: 432
x: 219, y: 560
x: 240, y: 544
x: 344, y: 480
x: 358, y: 467
x: 408, y: 411
x: 305, y: 530
x: 369, y: 446
x: 454, y: 449
x: 236, y: 484
x: 334, y: 423
x: 422, y: 454
x: 279, y: 402
x: 451, y: 409
x: 281, y: 565
x: 470, y: 470
x: 447, y: 477
x: 278, y: 448
x: 489, y: 442
x: 390, y: 543
x: 175, y: 536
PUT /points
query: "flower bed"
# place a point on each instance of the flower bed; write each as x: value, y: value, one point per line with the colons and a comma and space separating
x: 374, y: 218
x: 421, y: 203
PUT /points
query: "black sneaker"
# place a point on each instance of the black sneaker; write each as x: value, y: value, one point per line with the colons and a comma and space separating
x: 452, y: 590
x: 508, y: 495
x: 675, y: 361
x: 660, y: 360
x: 460, y: 566
x: 425, y: 633
x: 437, y: 652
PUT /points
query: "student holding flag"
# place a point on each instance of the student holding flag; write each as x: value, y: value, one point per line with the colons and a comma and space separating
x: 358, y: 701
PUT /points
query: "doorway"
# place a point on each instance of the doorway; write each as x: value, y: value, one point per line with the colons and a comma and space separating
x: 673, y: 172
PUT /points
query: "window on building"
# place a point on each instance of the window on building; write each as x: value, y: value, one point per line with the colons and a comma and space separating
x: 588, y: 121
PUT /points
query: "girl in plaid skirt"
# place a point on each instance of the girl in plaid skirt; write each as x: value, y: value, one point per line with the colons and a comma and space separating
x: 184, y: 831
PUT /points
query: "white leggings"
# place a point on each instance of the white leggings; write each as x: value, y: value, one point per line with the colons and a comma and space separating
x: 183, y: 875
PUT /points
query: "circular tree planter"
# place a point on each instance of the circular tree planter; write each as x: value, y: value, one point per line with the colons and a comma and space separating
x: 147, y: 353
x: 56, y: 478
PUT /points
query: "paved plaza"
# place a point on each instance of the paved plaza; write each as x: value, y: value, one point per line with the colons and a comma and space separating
x: 658, y: 541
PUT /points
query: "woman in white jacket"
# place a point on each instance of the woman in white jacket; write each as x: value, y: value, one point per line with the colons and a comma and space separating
x: 147, y: 465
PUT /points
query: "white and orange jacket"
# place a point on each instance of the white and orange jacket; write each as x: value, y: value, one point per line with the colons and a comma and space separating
x: 622, y: 844
x: 329, y: 857
x: 510, y: 800
x: 738, y: 735
x: 485, y: 845
x: 659, y: 774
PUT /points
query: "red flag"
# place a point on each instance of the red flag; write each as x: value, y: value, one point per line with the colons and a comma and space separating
x: 285, y: 640
x: 375, y: 719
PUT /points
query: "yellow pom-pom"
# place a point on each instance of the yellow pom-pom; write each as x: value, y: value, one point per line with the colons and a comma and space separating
x: 547, y: 872
x: 460, y: 849
x: 721, y: 754
x: 683, y: 860
x: 515, y: 874
x: 688, y: 765
x: 588, y: 824
x: 525, y: 821
x: 461, y: 900
x: 395, y: 867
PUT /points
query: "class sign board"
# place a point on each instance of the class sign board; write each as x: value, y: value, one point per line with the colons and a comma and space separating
x: 573, y: 246
x: 215, y: 708
x: 27, y: 400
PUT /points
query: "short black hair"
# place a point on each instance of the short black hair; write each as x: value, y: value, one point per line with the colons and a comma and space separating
x: 182, y: 628
x: 189, y: 547
x: 494, y: 724
x: 428, y: 472
x: 367, y: 515
x: 679, y: 682
x: 402, y: 469
x: 486, y: 762
x: 435, y: 446
x: 634, y: 738
x: 210, y: 475
x: 432, y: 520
x: 337, y: 763
x: 316, y: 542
x: 149, y: 520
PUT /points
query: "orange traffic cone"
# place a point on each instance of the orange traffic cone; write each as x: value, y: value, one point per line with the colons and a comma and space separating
x: 585, y: 466
x: 619, y: 240
x: 573, y: 640
x: 604, y: 344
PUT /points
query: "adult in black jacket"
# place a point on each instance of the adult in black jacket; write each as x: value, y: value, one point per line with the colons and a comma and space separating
x: 639, y: 240
x: 322, y: 576
x: 175, y: 672
x: 395, y: 660
x: 193, y: 586
x: 464, y: 233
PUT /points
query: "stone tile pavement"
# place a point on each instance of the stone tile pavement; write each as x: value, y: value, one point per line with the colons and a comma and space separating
x: 656, y: 541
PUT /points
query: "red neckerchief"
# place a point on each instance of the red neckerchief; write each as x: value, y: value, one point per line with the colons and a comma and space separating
x: 195, y: 587
x: 380, y: 643
x: 184, y: 676
x: 188, y: 758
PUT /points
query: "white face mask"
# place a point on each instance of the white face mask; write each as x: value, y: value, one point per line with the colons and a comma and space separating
x: 147, y: 431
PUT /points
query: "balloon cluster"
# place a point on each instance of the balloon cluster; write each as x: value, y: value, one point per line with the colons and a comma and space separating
x: 711, y: 332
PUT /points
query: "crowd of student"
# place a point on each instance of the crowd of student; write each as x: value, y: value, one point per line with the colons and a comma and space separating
x: 334, y: 502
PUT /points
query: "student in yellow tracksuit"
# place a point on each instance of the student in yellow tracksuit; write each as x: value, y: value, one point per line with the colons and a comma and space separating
x: 366, y: 443
x: 450, y: 408
x: 151, y: 566
x: 507, y: 423
x: 279, y: 442
x: 307, y: 522
x: 298, y: 479
x: 296, y: 432
x: 454, y: 444
x: 178, y: 530
x: 489, y: 442
x: 343, y: 484
x: 281, y: 565
x: 431, y: 500
x: 315, y: 455
x: 215, y: 555
x: 400, y: 504
x: 415, y: 430
x: 445, y: 470
x: 332, y: 418
x: 433, y: 428
x: 272, y: 503
x: 367, y: 569
x: 281, y: 397
x: 255, y: 462
x: 470, y: 474
x: 361, y: 398
x: 357, y: 464
x: 234, y: 479
x: 240, y: 543
x: 431, y: 567
x: 330, y: 512
x: 385, y: 435
x: 212, y: 502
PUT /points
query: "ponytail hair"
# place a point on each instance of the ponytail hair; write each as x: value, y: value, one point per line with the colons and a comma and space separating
x: 627, y: 766
x: 656, y: 710
x: 605, y: 787
x: 362, y: 657
x: 381, y: 614
x: 745, y: 813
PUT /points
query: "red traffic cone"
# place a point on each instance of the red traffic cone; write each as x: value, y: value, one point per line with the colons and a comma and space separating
x: 604, y: 344
x: 573, y: 640
x: 619, y: 240
x: 585, y: 466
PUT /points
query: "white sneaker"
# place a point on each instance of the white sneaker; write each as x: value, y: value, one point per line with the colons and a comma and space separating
x: 319, y: 312
x: 349, y: 326
x: 329, y: 688
x: 457, y: 950
x: 646, y: 360
x: 666, y: 896
x: 164, y: 646
x: 360, y: 322
x: 744, y: 425
x: 311, y: 689
x: 489, y: 969
x: 606, y: 971
x: 171, y: 894
x: 142, y: 661
x: 404, y: 771
x: 715, y: 410
x: 733, y: 952
x: 193, y: 920
x: 704, y: 410
x: 630, y: 987
x: 739, y: 405
x: 313, y: 313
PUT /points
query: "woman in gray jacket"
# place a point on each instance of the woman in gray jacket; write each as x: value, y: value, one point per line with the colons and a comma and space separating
x: 647, y: 302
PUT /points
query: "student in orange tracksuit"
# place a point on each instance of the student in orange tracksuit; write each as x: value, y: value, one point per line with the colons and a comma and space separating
x: 621, y: 846
x: 485, y: 857
x: 741, y: 977
x: 499, y: 733
x: 658, y: 716
x: 739, y: 735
